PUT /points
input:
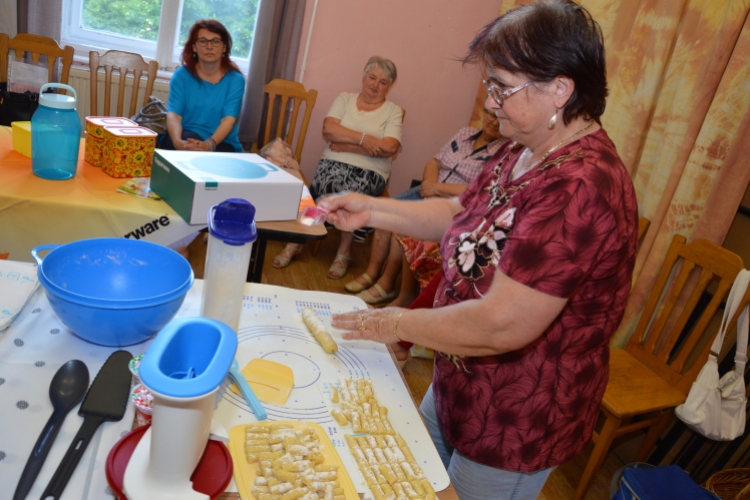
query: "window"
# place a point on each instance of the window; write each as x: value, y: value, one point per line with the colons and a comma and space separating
x: 155, y: 29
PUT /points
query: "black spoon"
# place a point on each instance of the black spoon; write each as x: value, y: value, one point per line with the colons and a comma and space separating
x: 66, y: 390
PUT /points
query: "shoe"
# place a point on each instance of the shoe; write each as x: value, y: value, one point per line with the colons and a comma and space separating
x: 372, y: 300
x: 336, y: 273
x: 280, y: 262
x: 356, y: 287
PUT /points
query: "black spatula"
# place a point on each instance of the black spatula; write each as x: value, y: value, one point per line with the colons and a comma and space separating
x: 106, y: 400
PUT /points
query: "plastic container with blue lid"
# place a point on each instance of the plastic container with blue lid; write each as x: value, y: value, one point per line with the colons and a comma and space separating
x: 232, y: 231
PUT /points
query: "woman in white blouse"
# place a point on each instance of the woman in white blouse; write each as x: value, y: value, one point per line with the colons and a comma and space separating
x: 363, y: 130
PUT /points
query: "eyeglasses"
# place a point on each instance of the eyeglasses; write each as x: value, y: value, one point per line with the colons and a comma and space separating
x: 215, y: 42
x: 498, y: 95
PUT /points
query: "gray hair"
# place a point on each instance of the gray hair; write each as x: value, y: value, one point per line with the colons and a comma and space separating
x: 385, y: 65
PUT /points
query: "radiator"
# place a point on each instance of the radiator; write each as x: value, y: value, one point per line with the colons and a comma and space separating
x: 80, y: 78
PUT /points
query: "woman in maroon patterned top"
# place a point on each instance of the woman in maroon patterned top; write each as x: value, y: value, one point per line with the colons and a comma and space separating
x: 538, y: 255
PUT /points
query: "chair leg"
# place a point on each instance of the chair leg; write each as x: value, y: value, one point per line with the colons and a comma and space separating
x: 653, y: 434
x: 606, y: 436
x: 316, y: 247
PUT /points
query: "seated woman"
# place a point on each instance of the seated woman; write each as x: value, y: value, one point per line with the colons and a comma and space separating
x: 205, y: 93
x: 446, y: 175
x: 363, y: 130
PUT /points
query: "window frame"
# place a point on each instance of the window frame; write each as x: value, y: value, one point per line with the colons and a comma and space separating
x: 166, y: 49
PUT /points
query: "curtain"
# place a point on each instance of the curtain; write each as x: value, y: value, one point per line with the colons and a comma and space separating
x: 273, y: 55
x: 677, y: 111
x: 39, y: 17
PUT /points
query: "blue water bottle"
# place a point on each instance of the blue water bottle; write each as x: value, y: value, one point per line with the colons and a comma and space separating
x: 55, y: 134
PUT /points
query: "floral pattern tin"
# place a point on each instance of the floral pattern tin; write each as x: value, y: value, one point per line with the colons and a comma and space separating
x: 128, y: 151
x: 94, y: 150
x: 95, y: 124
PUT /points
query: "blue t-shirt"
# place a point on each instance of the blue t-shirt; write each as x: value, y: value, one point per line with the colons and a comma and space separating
x: 202, y: 105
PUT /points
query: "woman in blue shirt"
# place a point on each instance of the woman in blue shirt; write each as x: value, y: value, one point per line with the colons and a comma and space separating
x: 205, y: 93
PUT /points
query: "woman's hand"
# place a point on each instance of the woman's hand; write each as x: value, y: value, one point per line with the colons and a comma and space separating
x: 375, y: 325
x: 429, y: 189
x: 348, y: 211
x: 372, y: 145
x: 196, y: 145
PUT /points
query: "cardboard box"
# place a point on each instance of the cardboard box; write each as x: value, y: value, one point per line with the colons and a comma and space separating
x: 22, y: 137
x: 191, y: 182
x: 128, y: 151
x: 95, y: 124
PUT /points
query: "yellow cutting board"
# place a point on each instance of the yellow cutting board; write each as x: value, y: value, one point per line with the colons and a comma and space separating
x: 270, y: 381
x: 245, y: 473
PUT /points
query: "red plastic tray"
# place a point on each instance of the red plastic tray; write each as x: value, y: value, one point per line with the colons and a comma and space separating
x: 211, y: 476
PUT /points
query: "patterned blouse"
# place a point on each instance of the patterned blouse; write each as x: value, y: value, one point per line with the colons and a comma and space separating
x: 567, y: 228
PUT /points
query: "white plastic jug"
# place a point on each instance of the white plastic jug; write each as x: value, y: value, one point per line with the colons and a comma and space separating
x: 231, y: 226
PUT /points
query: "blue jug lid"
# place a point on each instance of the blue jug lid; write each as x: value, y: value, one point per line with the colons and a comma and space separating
x: 59, y: 101
x: 233, y: 221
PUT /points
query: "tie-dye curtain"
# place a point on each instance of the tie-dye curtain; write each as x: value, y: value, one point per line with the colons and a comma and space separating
x: 679, y: 83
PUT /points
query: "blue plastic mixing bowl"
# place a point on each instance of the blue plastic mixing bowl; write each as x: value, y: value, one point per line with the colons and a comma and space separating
x: 114, y: 291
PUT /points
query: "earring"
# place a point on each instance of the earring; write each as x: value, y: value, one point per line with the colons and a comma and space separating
x: 552, y: 121
x: 195, y: 55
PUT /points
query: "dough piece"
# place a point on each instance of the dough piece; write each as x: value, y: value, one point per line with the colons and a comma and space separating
x: 334, y: 394
x: 319, y: 330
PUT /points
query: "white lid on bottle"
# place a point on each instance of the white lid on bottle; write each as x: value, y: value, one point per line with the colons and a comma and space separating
x: 57, y: 101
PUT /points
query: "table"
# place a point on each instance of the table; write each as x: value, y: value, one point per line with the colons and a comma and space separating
x: 287, y: 231
x: 36, y: 211
x: 37, y: 344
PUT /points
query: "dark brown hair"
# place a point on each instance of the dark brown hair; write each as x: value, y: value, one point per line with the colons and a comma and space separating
x: 213, y: 26
x: 546, y: 39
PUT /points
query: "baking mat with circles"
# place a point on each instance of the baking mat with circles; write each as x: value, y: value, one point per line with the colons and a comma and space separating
x: 245, y: 473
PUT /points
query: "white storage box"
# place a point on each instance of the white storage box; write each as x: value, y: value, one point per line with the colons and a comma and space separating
x: 191, y: 182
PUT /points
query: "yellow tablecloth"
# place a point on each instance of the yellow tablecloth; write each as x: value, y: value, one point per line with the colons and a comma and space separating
x: 36, y: 211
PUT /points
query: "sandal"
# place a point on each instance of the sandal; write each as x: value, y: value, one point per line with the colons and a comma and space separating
x: 336, y: 273
x: 384, y: 297
x: 356, y: 287
x: 280, y: 262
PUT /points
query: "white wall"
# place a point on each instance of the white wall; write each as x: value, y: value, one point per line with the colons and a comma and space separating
x: 423, y: 38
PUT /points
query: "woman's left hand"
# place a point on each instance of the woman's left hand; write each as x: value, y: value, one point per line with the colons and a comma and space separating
x: 196, y: 145
x: 372, y: 324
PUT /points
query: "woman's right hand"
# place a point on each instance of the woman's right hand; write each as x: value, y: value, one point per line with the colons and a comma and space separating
x: 371, y: 145
x: 348, y: 211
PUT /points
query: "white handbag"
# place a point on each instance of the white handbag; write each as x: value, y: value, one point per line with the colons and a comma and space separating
x: 716, y: 408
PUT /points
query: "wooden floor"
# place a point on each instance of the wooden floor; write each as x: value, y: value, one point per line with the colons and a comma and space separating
x: 308, y: 272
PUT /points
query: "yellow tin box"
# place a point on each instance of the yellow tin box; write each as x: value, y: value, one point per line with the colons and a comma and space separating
x: 94, y: 150
x: 95, y: 124
x: 128, y: 151
x: 22, y: 137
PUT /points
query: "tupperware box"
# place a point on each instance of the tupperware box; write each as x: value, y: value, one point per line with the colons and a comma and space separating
x: 22, y: 137
x: 128, y: 151
x: 95, y: 124
x: 94, y: 150
x: 191, y: 182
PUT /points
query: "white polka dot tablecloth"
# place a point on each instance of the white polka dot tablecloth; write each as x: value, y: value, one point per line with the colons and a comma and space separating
x: 271, y: 328
x: 31, y: 351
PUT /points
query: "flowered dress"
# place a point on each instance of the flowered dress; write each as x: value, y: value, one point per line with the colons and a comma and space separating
x: 567, y: 228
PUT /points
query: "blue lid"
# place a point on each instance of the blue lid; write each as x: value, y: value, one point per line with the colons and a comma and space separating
x: 189, y: 357
x: 233, y: 221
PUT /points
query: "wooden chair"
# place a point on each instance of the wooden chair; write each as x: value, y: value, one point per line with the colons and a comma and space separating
x: 124, y: 63
x: 650, y: 377
x: 643, y: 224
x: 286, y: 90
x: 37, y: 46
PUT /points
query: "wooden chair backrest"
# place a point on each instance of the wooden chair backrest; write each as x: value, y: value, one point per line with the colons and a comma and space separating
x: 124, y: 63
x: 656, y: 349
x: 643, y: 224
x: 37, y: 46
x: 286, y: 90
